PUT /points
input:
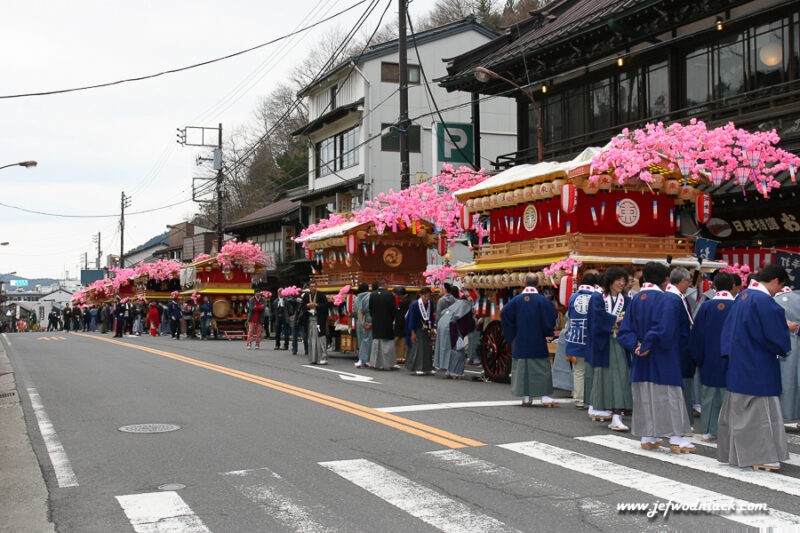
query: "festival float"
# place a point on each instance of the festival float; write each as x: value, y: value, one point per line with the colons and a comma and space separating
x: 227, y: 279
x: 138, y: 283
x: 617, y: 205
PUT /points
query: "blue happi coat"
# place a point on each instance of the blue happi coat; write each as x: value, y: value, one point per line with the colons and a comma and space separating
x: 684, y: 329
x: 704, y: 341
x: 754, y: 335
x: 527, y: 320
x: 578, y: 334
x: 601, y: 327
x: 652, y: 320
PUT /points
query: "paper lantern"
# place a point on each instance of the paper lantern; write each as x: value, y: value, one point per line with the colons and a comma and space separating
x: 504, y: 280
x: 536, y: 191
x: 527, y: 194
x: 703, y: 208
x: 442, y: 245
x: 547, y: 190
x: 309, y: 253
x: 591, y: 187
x: 498, y: 281
x: 686, y: 193
x: 658, y: 182
x: 604, y: 183
x: 565, y: 290
x: 518, y: 195
x: 466, y: 218
x: 556, y: 186
x: 351, y: 244
x: 568, y: 198
x: 672, y: 187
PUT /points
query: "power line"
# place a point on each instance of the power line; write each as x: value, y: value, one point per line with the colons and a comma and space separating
x: 115, y: 215
x: 188, y: 67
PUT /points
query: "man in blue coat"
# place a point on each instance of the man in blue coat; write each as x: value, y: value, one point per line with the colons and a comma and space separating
x: 650, y: 332
x: 704, y: 349
x: 755, y: 335
x: 680, y: 280
x: 528, y: 320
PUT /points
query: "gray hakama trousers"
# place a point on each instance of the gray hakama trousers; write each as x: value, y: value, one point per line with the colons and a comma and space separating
x: 611, y: 385
x: 383, y: 354
x: 588, y: 379
x: 711, y: 399
x: 531, y: 377
x: 751, y: 430
x: 316, y: 345
x: 364, y: 342
x: 658, y: 410
x: 456, y: 362
x: 688, y: 396
x: 420, y: 357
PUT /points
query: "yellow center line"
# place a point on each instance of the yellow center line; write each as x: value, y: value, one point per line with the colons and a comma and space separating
x: 445, y: 438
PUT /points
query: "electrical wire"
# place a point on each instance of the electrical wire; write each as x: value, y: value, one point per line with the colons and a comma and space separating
x: 185, y: 68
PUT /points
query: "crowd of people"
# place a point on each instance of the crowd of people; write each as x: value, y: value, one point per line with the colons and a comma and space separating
x: 666, y: 354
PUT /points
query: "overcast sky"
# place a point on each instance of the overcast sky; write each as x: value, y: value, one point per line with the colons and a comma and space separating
x: 92, y: 145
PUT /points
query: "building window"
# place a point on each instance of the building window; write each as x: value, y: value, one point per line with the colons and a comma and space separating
x: 337, y: 152
x: 575, y: 111
x: 657, y: 87
x: 390, y: 73
x: 628, y: 97
x: 600, y: 105
x: 553, y: 113
x: 321, y: 212
x: 390, y: 142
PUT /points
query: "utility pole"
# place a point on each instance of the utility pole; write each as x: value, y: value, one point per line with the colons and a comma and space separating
x: 403, y: 122
x: 96, y: 239
x: 85, y: 260
x: 196, y: 136
x: 126, y: 202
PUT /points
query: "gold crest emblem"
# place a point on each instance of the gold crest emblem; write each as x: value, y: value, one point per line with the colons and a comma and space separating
x: 527, y: 298
x: 744, y: 296
x: 392, y: 257
x: 643, y: 297
x: 720, y: 307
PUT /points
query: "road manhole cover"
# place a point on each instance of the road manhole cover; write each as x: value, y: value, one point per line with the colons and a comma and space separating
x: 149, y: 428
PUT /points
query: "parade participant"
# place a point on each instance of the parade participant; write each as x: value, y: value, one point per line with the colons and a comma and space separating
x: 298, y: 321
x: 119, y: 316
x: 402, y: 302
x: 187, y: 320
x: 282, y: 310
x: 577, y: 345
x: 611, y: 380
x: 754, y: 336
x: 363, y: 325
x: 737, y: 285
x: 419, y: 357
x: 442, y: 347
x: 649, y: 330
x: 255, y: 312
x: 174, y: 313
x: 315, y: 318
x: 704, y: 349
x: 206, y: 312
x: 445, y: 300
x: 153, y: 319
x: 382, y: 311
x: 790, y: 365
x: 679, y: 281
x: 455, y: 324
x: 527, y: 321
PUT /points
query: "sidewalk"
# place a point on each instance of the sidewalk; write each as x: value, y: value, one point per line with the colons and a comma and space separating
x: 24, y: 497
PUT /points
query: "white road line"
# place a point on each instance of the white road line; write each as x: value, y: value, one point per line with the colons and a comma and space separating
x: 157, y: 512
x: 258, y: 486
x: 562, y: 498
x: 58, y: 457
x: 347, y: 376
x: 789, y: 485
x: 794, y: 459
x: 421, y: 502
x: 457, y: 405
x: 660, y: 487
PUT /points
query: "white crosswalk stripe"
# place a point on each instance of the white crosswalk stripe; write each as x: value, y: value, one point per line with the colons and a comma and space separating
x: 271, y: 493
x: 658, y: 486
x: 156, y: 512
x: 789, y: 485
x: 439, y: 511
x: 794, y: 459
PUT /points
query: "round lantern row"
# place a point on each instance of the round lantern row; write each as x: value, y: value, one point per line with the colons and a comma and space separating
x: 497, y: 281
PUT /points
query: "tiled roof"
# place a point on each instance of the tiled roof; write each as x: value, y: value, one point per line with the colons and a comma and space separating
x: 273, y: 211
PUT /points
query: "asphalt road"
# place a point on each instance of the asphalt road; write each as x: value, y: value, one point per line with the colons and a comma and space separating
x: 262, y: 441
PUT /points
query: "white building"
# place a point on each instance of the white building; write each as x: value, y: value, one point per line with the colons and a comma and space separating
x: 353, y: 148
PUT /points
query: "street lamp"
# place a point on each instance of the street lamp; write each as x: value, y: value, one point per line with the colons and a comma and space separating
x: 483, y: 75
x: 26, y: 164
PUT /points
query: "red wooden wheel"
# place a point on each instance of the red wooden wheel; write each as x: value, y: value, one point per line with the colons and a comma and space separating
x: 495, y: 354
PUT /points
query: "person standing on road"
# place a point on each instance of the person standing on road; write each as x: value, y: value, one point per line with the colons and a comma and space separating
x: 255, y: 311
x: 402, y: 301
x: 174, y: 313
x: 528, y: 320
x: 363, y: 325
x: 419, y: 356
x: 282, y: 310
x: 153, y: 319
x: 315, y: 315
x: 649, y: 331
x: 205, y: 318
x: 382, y: 310
x: 680, y: 280
x: 755, y: 336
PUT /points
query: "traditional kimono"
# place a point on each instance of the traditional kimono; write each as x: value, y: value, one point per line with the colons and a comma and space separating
x: 754, y: 336
x: 611, y: 380
x: 684, y: 329
x: 651, y: 324
x: 447, y: 357
x: 462, y: 323
x: 382, y: 311
x: 790, y: 366
x: 315, y: 322
x: 419, y: 356
x: 577, y: 343
x: 361, y: 309
x: 704, y: 349
x: 527, y: 320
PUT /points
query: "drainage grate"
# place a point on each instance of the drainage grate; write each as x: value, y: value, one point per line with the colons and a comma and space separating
x: 149, y: 428
x: 8, y: 394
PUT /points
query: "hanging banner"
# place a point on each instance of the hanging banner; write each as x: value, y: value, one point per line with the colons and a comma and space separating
x: 791, y: 262
x: 705, y: 249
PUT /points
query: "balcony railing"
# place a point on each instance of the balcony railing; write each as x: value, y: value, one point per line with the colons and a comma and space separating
x: 354, y: 278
